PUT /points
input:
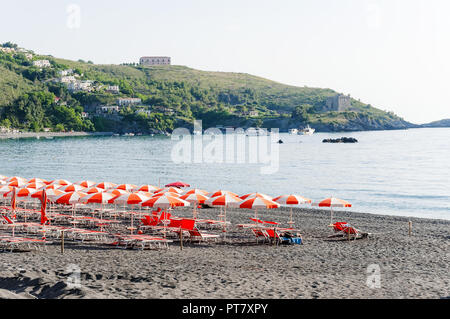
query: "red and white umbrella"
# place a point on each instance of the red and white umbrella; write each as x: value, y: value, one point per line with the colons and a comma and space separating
x: 62, y: 182
x: 18, y: 183
x: 257, y: 203
x: 165, y: 201
x: 5, y: 189
x: 86, y: 184
x: 51, y: 194
x: 126, y: 187
x: 25, y: 192
x: 71, y: 198
x: 166, y: 193
x: 106, y: 185
x: 38, y: 180
x: 225, y: 200
x: 170, y: 190
x: 116, y: 192
x: 195, y: 199
x: 332, y: 202
x: 129, y: 199
x: 148, y: 188
x: 195, y: 191
x: 254, y: 195
x: 98, y: 198
x: 94, y: 190
x: 220, y: 193
x: 71, y: 188
x: 36, y: 185
x: 15, y: 179
x: 291, y: 200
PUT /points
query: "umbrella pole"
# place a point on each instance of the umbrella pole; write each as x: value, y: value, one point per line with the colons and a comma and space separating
x: 291, y: 222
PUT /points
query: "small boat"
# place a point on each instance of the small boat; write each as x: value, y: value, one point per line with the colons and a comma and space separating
x: 293, y: 131
x: 308, y: 130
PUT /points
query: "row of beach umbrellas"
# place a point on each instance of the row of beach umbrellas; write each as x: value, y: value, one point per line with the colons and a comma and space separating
x: 172, y: 195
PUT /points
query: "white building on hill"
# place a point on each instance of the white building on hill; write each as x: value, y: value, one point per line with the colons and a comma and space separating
x: 155, y: 60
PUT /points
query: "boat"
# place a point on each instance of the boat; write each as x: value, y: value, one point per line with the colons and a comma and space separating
x: 307, y: 130
x: 293, y: 131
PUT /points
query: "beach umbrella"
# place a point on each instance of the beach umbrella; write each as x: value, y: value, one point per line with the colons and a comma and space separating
x: 178, y: 184
x: 18, y: 183
x: 2, y: 177
x: 53, y: 186
x: 106, y: 185
x: 166, y: 193
x: 98, y: 198
x: 221, y: 193
x: 70, y: 198
x: 126, y: 187
x: 62, y: 182
x: 129, y: 199
x: 224, y: 201
x: 94, y: 190
x: 290, y: 200
x: 164, y: 201
x: 170, y: 190
x: 86, y: 184
x: 195, y: 191
x: 25, y: 192
x: 254, y: 195
x: 148, y: 188
x: 38, y: 180
x: 15, y: 179
x: 195, y: 199
x: 51, y: 194
x: 116, y: 192
x: 257, y: 203
x: 5, y: 189
x: 332, y: 202
x: 36, y: 185
x: 71, y: 188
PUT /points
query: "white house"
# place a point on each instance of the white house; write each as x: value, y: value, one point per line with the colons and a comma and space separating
x: 128, y: 101
x: 113, y: 89
x: 155, y: 60
x: 42, y: 63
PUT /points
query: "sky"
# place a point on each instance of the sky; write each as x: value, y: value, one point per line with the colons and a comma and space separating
x: 392, y: 54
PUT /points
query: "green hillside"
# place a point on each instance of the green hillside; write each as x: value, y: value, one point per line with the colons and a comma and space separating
x: 31, y: 98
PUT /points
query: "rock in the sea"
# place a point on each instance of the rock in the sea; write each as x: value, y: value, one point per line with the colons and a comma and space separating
x: 340, y: 140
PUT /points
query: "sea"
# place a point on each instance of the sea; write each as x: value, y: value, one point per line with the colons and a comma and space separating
x: 400, y: 172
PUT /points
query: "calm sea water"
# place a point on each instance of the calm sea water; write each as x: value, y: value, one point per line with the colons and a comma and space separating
x: 405, y: 173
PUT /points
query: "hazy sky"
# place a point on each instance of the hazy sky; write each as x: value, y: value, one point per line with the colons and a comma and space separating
x: 393, y: 54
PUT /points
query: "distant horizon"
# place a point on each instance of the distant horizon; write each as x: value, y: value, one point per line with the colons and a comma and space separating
x: 390, y: 54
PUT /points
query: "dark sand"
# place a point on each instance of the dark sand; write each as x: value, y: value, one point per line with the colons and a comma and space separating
x: 410, y: 267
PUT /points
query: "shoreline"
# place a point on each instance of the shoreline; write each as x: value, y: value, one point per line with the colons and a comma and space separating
x: 37, y: 135
x: 410, y: 266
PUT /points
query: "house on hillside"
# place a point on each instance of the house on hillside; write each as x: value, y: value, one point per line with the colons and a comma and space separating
x: 128, y: 101
x: 155, y: 60
x: 42, y: 64
x: 114, y: 89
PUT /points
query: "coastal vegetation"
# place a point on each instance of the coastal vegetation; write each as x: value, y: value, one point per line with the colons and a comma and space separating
x: 33, y: 98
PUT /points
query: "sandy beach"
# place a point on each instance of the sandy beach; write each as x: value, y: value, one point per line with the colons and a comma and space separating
x: 414, y: 266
